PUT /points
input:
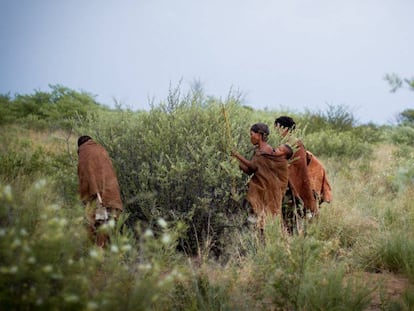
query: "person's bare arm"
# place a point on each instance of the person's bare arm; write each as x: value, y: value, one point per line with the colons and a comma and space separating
x: 244, y: 168
x: 245, y: 165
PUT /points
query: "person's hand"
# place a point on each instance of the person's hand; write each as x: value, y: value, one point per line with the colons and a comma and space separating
x: 233, y: 153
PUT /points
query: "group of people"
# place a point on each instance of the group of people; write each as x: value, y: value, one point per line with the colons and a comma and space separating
x: 287, y: 180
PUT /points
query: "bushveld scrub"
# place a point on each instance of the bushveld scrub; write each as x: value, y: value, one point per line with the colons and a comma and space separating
x: 29, y: 155
x: 48, y: 264
x: 43, y: 110
x: 183, y: 243
x: 176, y: 164
x: 301, y: 273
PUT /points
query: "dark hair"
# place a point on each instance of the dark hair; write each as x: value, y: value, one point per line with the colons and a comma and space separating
x: 83, y: 139
x: 262, y: 129
x: 286, y: 121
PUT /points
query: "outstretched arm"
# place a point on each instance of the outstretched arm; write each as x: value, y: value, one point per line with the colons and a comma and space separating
x: 245, y: 165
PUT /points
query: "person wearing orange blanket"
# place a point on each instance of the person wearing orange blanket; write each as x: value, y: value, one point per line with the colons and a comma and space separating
x: 269, y: 170
x: 299, y: 199
x: 98, y: 188
x: 307, y: 176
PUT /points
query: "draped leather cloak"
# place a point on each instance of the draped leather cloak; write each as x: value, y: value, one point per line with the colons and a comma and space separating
x: 318, y: 178
x: 299, y: 179
x: 96, y: 174
x: 268, y: 183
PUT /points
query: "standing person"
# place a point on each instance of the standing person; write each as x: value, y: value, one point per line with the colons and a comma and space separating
x: 299, y: 199
x: 98, y: 188
x: 269, y: 170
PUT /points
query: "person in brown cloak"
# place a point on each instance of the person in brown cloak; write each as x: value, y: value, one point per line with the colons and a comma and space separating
x: 299, y: 199
x: 98, y: 188
x: 269, y: 170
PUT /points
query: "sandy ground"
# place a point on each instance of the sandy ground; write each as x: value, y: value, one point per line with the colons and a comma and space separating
x: 390, y: 288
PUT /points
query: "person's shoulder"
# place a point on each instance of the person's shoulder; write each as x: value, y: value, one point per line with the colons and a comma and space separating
x: 92, y: 147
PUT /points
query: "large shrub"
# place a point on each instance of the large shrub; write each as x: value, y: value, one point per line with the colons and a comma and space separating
x: 173, y: 162
x: 400, y: 135
x: 47, y: 263
x: 331, y: 143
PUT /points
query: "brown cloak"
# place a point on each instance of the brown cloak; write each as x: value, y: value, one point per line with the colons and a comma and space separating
x: 319, y: 180
x: 299, y: 178
x: 96, y: 174
x: 268, y: 184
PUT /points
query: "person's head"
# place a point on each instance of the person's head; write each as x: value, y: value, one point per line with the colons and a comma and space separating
x: 285, y: 124
x: 259, y: 131
x: 286, y: 150
x: 83, y: 139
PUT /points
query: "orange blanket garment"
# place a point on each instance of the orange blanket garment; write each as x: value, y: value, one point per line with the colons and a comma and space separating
x: 318, y: 178
x: 267, y: 185
x: 96, y: 174
x: 299, y: 178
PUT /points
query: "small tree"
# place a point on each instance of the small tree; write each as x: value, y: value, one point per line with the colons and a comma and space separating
x: 396, y: 82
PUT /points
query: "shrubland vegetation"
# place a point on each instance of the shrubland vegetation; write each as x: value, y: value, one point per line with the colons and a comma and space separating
x: 184, y: 243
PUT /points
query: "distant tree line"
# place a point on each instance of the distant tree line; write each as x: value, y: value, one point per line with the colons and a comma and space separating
x: 43, y: 109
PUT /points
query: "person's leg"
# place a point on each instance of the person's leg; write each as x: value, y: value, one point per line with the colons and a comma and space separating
x: 102, y: 237
x: 288, y: 205
x: 90, y: 208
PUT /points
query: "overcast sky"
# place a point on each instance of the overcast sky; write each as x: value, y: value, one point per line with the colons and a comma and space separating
x: 301, y: 54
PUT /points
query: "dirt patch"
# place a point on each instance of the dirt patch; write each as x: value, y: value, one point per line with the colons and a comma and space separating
x: 387, y: 287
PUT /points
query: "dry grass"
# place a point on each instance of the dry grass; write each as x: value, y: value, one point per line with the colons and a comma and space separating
x: 56, y: 142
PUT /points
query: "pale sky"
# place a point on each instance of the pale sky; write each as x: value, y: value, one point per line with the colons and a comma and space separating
x: 296, y: 54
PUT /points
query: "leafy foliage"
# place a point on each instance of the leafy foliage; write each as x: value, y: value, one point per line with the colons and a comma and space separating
x: 335, y: 133
x: 184, y: 195
x: 338, y: 144
x: 402, y: 135
x: 396, y: 82
x: 406, y: 117
x: 175, y: 164
x: 43, y: 109
x: 334, y: 117
x: 46, y: 263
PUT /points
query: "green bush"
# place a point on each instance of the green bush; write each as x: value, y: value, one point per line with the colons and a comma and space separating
x: 173, y: 162
x: 41, y: 251
x: 302, y: 273
x: 43, y: 110
x: 48, y: 264
x: 332, y: 143
x: 400, y: 135
x: 334, y: 117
